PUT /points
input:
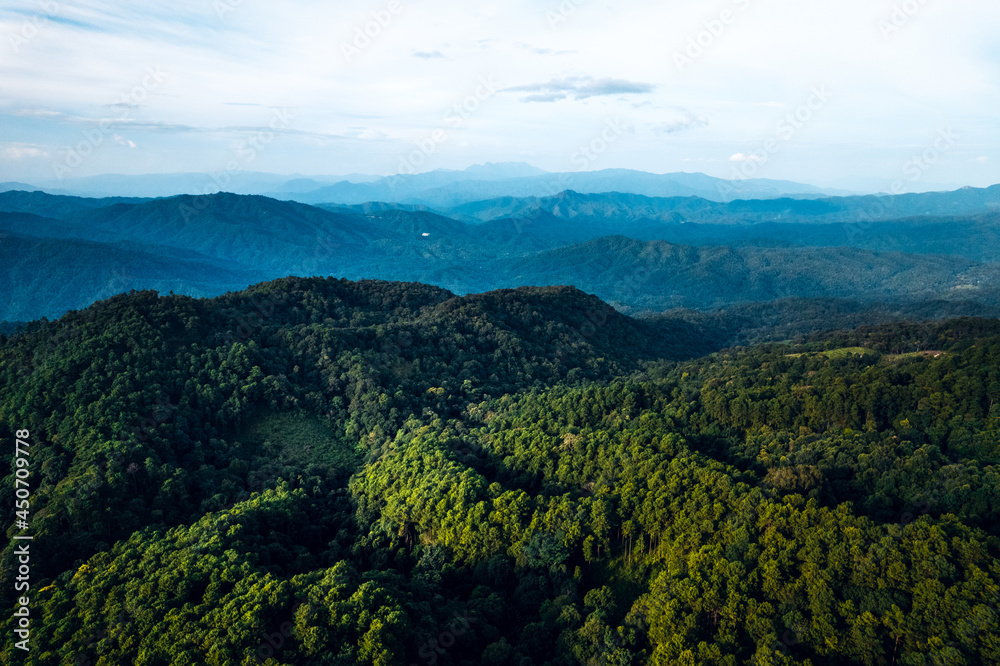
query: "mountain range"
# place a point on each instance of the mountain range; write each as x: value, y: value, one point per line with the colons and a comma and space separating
x: 441, y: 187
x: 447, y: 189
x: 642, y: 254
x: 619, y: 206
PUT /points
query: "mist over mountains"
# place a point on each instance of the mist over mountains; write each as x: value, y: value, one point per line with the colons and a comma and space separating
x: 442, y: 187
x: 445, y: 189
x: 639, y: 253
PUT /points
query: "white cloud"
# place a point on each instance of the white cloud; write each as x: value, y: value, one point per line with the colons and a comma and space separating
x: 122, y: 141
x: 743, y: 157
x: 579, y: 87
x: 21, y: 151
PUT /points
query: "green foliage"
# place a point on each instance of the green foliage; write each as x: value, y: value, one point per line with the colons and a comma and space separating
x: 325, y: 472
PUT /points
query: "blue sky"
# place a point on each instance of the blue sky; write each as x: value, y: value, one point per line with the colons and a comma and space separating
x: 814, y: 92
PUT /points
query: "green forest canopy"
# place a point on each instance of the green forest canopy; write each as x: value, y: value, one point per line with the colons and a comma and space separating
x: 332, y: 472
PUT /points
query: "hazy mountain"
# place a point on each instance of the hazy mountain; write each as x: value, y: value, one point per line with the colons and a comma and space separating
x: 963, y: 201
x: 452, y: 188
x: 502, y: 171
x: 864, y: 185
x: 570, y: 204
x: 246, y: 182
x: 660, y: 275
x: 171, y: 184
x: 29, y: 224
x: 441, y: 187
x: 620, y: 206
x: 976, y: 237
x: 14, y: 185
x: 309, y: 184
x: 372, y: 207
x: 571, y: 217
x: 399, y: 188
x: 46, y: 276
x: 52, y: 205
x: 634, y: 251
x: 253, y: 230
x: 787, y: 318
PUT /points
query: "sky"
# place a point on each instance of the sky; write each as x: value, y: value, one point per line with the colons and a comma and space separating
x: 825, y: 93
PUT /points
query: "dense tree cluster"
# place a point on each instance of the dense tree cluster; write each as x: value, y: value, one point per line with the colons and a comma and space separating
x: 332, y: 472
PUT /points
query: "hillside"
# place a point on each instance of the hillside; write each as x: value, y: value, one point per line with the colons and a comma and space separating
x: 346, y: 339
x: 352, y: 469
x: 54, y: 206
x: 252, y: 230
x: 52, y: 276
x: 792, y: 318
x: 628, y: 207
x: 660, y: 275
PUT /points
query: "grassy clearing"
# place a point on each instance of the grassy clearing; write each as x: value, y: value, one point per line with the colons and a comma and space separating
x: 838, y: 353
x: 301, y: 439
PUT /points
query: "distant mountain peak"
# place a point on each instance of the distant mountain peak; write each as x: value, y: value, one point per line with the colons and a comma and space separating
x: 18, y: 186
x: 504, y: 170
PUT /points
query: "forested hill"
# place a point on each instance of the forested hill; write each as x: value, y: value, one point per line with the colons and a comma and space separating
x: 317, y: 471
x: 658, y: 275
x: 363, y: 355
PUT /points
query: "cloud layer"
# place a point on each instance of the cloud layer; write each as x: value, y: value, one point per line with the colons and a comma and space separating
x: 363, y: 85
x: 579, y: 87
